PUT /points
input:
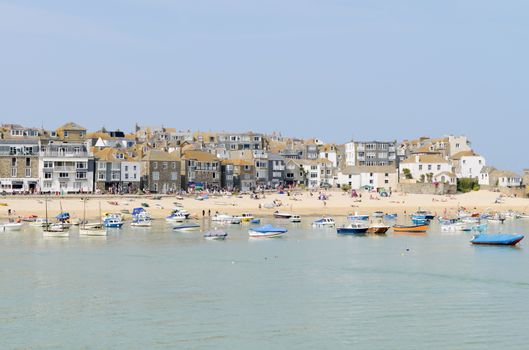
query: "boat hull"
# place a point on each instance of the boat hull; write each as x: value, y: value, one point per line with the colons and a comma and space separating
x: 378, y: 229
x: 499, y: 239
x: 351, y: 231
x: 413, y: 228
x: 93, y: 232
x: 254, y: 234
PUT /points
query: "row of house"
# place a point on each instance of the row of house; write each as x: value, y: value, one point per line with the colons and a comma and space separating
x: 165, y: 160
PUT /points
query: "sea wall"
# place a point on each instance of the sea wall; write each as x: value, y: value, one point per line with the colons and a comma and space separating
x: 427, y: 188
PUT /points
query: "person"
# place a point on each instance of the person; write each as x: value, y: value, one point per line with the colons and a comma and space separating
x: 203, y: 212
x: 9, y: 212
x: 209, y: 212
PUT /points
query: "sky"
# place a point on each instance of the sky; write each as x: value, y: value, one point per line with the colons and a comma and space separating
x: 333, y: 69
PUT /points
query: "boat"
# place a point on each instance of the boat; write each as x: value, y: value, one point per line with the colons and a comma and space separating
x: 255, y: 221
x: 30, y: 218
x: 140, y: 218
x: 267, y: 231
x: 378, y: 214
x: 181, y: 211
x: 11, y: 226
x: 422, y: 214
x: 91, y: 229
x: 497, y: 239
x: 417, y: 221
x: 216, y: 235
x: 355, y: 228
x: 324, y: 222
x: 295, y: 218
x: 245, y: 217
x: 391, y: 216
x: 39, y: 222
x: 186, y: 227
x: 378, y: 228
x: 176, y: 217
x: 222, y: 218
x: 410, y: 228
x: 279, y: 215
x: 454, y: 225
x: 476, y: 228
x: 357, y: 216
x: 496, y: 218
x: 54, y: 230
x: 112, y: 222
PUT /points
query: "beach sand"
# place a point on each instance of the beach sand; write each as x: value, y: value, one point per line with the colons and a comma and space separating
x: 302, y: 203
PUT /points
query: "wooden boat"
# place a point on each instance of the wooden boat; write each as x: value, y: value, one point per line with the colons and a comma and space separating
x: 410, y: 228
x: 497, y: 239
x: 378, y: 228
x: 355, y: 228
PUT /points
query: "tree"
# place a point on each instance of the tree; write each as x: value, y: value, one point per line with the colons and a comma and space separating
x: 407, y: 173
x: 465, y: 185
x: 429, y: 177
x: 421, y: 178
x: 345, y: 187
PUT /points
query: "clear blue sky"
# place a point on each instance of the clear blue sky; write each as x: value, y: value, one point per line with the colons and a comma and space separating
x: 334, y: 69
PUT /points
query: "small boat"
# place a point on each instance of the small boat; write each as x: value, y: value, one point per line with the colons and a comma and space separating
x: 497, y: 239
x: 30, y: 218
x: 476, y: 228
x: 497, y: 218
x: 324, y: 222
x: 39, y: 222
x: 378, y: 228
x: 267, y: 231
x: 11, y: 226
x: 176, y: 217
x: 56, y: 230
x: 355, y: 228
x: 245, y: 217
x: 141, y: 222
x: 295, y: 218
x: 422, y: 214
x: 112, y: 222
x: 255, y: 221
x: 357, y: 216
x: 92, y: 230
x: 410, y: 228
x: 186, y: 227
x: 392, y: 216
x: 279, y: 215
x: 222, y: 218
x: 455, y: 226
x: 216, y: 235
x: 378, y: 214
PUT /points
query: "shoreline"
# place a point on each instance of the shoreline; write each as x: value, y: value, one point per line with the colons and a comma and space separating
x: 301, y: 203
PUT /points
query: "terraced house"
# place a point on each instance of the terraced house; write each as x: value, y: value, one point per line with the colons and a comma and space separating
x: 116, y: 171
x: 201, y: 169
x: 19, y: 151
x: 160, y: 172
x: 66, y: 164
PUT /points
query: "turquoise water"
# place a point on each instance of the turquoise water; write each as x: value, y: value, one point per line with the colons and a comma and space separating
x: 153, y: 288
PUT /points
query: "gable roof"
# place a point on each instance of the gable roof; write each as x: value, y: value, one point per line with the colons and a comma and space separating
x: 157, y: 155
x: 71, y: 126
x: 201, y: 156
x: 430, y: 158
x: 461, y: 154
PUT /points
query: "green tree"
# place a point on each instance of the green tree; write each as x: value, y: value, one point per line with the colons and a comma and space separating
x: 407, y: 173
x: 465, y: 185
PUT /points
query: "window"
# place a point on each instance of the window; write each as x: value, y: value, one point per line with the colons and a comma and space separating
x: 63, y: 175
x: 13, y: 172
x: 47, y: 175
x: 126, y: 168
x: 164, y: 165
x: 28, y: 162
x: 80, y: 175
x: 13, y: 162
x: 174, y: 176
x: 48, y: 164
x: 420, y: 166
x: 438, y: 166
x: 155, y: 175
x: 101, y: 175
x: 386, y: 181
x: 155, y: 187
x: 429, y: 167
x: 101, y: 165
x: 134, y: 167
x: 126, y: 176
x: 386, y: 174
x: 80, y: 165
x: 174, y: 165
x: 28, y: 172
x: 66, y: 134
x: 155, y: 165
x: 77, y: 150
x: 214, y: 175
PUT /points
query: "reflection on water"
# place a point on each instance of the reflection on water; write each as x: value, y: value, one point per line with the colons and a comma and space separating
x: 311, y: 289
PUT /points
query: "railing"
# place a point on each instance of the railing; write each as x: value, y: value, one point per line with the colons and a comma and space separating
x: 64, y: 168
x: 65, y: 154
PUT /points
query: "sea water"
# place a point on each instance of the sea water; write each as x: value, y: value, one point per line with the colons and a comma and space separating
x: 153, y: 288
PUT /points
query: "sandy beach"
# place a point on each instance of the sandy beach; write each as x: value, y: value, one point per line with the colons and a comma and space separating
x: 301, y: 203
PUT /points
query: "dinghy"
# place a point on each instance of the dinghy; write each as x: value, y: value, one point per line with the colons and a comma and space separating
x: 497, y: 239
x: 267, y: 231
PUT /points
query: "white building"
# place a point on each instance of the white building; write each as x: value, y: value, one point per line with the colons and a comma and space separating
x: 130, y: 172
x: 329, y: 152
x: 66, y: 167
x: 458, y: 144
x: 467, y: 164
x: 376, y: 177
x: 423, y: 167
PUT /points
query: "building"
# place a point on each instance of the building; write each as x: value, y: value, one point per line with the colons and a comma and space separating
x: 371, y: 153
x: 467, y: 164
x: 276, y: 170
x: 372, y: 177
x: 492, y: 177
x: 116, y: 171
x: 238, y: 175
x: 202, y: 169
x: 240, y: 141
x: 115, y: 139
x: 423, y: 168
x: 160, y: 172
x: 19, y: 165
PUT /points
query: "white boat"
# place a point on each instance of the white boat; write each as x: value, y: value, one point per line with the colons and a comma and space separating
x: 222, y: 218
x: 215, y: 235
x: 92, y: 229
x: 455, y: 227
x: 176, y: 217
x: 279, y: 215
x: 245, y: 217
x: 186, y: 227
x: 141, y: 222
x: 295, y: 218
x: 39, y: 222
x: 56, y: 230
x: 11, y: 226
x: 324, y: 222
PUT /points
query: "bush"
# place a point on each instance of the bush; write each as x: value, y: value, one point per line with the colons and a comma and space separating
x: 346, y: 187
x: 465, y: 185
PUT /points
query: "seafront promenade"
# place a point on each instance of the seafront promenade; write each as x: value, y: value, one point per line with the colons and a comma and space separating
x: 298, y: 202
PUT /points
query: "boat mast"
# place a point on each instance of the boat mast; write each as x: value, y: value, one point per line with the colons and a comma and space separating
x: 84, y: 212
x: 46, y: 204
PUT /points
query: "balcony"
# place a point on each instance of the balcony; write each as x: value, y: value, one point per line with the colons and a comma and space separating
x: 64, y: 168
x: 61, y: 154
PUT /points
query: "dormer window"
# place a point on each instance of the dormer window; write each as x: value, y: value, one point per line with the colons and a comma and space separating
x: 66, y: 134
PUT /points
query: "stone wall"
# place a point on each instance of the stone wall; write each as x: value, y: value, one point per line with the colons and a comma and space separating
x: 427, y: 188
x: 512, y: 192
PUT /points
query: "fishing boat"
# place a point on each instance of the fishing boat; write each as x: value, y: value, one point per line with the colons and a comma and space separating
x: 295, y: 218
x: 378, y: 228
x: 11, y: 226
x: 39, y: 222
x: 417, y: 221
x: 356, y: 216
x: 179, y: 210
x: 378, y: 214
x: 267, y: 231
x: 215, y: 235
x: 355, y: 228
x: 245, y: 217
x: 280, y: 215
x: 497, y: 239
x: 497, y: 218
x: 324, y: 222
x: 410, y: 228
x: 140, y: 218
x: 91, y: 229
x: 176, y: 217
x: 113, y: 222
x: 422, y: 214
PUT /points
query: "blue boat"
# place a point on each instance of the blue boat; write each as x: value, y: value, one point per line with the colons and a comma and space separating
x: 497, y: 239
x: 424, y: 215
x: 112, y: 222
x: 63, y: 216
x: 360, y: 217
x: 255, y: 221
x: 390, y: 216
x: 356, y: 228
x: 422, y: 221
x: 267, y: 231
